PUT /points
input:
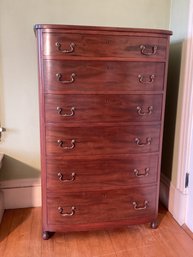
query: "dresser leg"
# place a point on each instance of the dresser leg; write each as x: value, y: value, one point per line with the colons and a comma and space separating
x: 47, y: 234
x: 154, y: 224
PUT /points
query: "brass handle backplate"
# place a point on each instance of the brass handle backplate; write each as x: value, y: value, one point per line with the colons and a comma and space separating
x: 139, y: 207
x: 148, y: 51
x: 138, y: 174
x: 66, y: 51
x: 66, y: 214
x: 139, y: 143
x: 61, y: 144
x: 61, y: 177
x: 146, y: 79
x: 142, y: 113
x: 70, y: 114
x: 72, y: 78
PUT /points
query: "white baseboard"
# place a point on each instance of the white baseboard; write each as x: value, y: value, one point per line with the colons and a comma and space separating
x: 21, y: 193
x: 173, y: 199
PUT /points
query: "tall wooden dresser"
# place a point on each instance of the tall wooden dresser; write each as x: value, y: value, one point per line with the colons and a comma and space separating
x: 102, y: 97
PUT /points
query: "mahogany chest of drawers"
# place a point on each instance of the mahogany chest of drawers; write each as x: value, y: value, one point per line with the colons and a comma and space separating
x: 102, y: 97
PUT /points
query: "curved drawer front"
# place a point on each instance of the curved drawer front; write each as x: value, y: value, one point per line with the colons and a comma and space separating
x: 101, y: 206
x: 101, y: 140
x: 103, y: 108
x: 85, y: 174
x: 77, y: 76
x: 104, y: 46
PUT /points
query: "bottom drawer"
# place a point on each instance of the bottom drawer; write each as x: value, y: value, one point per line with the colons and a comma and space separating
x: 102, y: 206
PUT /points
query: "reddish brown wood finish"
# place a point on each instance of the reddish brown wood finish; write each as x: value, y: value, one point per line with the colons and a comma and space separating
x: 102, y: 108
x: 107, y: 173
x: 96, y: 77
x: 101, y: 206
x: 100, y: 140
x: 102, y: 98
x: 86, y: 45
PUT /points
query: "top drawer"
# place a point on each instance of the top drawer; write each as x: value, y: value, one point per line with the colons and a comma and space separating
x: 85, y: 45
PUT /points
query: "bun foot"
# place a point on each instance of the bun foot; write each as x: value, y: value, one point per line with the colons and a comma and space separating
x: 154, y: 224
x: 47, y: 234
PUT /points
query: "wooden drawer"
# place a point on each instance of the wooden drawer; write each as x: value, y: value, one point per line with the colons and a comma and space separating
x: 97, y: 76
x: 79, y: 45
x: 78, y: 141
x: 84, y: 174
x: 103, y: 108
x: 101, y: 206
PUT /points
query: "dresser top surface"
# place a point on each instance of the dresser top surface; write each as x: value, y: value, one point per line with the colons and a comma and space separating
x: 53, y: 27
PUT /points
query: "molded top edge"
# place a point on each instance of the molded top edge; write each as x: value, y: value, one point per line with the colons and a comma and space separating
x: 100, y: 28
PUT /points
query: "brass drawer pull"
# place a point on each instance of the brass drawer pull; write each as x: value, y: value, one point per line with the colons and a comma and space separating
x: 60, y: 176
x: 66, y: 214
x: 138, y: 174
x: 61, y: 144
x: 138, y: 207
x: 145, y: 50
x: 142, y: 113
x: 144, y: 80
x: 59, y: 78
x: 66, y: 51
x: 139, y: 143
x: 72, y: 112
